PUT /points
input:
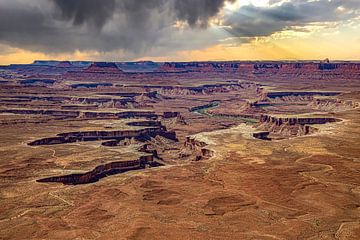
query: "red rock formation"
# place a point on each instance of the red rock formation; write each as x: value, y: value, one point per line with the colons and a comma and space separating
x: 79, y: 114
x: 332, y: 105
x: 71, y: 137
x: 98, y: 71
x: 64, y: 64
x: 270, y: 70
x: 103, y: 68
x: 179, y: 67
x: 291, y: 126
x: 102, y: 171
x: 262, y: 135
x: 192, y: 146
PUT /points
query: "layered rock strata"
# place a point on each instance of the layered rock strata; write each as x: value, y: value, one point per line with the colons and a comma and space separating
x: 196, y: 148
x: 72, y: 137
x: 102, y: 171
x: 291, y: 126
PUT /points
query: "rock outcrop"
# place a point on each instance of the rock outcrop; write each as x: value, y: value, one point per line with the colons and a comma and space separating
x: 291, y: 126
x: 84, y: 114
x: 102, y: 171
x: 103, y: 68
x: 333, y: 105
x: 262, y: 135
x: 72, y: 137
x: 195, y: 148
x: 181, y: 67
x: 302, y: 70
x: 204, y: 89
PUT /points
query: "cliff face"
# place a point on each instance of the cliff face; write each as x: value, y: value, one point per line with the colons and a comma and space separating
x: 295, y: 121
x: 102, y: 171
x: 305, y: 95
x: 199, y: 67
x: 195, y: 148
x: 251, y: 70
x: 103, y: 68
x: 85, y: 114
x: 307, y: 70
x: 95, y: 71
x: 262, y: 135
x: 290, y: 126
x: 332, y: 105
x: 105, y: 135
x: 149, y: 136
x: 204, y: 89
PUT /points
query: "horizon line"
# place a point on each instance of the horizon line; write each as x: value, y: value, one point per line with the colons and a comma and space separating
x: 189, y: 61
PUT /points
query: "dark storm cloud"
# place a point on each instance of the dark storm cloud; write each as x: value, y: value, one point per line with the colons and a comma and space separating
x: 251, y: 21
x: 101, y: 25
x: 194, y: 12
x: 80, y: 11
x: 197, y: 12
x: 142, y: 26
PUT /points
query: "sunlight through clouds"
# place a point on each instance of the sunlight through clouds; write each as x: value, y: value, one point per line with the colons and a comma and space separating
x: 165, y: 29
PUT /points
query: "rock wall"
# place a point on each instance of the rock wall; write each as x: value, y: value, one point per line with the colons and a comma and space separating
x: 84, y: 114
x: 294, y: 120
x: 204, y: 89
x: 280, y: 70
x: 333, y: 105
x: 71, y: 137
x: 291, y: 126
x: 103, y: 68
x: 262, y: 135
x: 102, y: 171
x: 195, y: 148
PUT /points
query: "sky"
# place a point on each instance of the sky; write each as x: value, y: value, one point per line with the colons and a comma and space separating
x: 178, y: 30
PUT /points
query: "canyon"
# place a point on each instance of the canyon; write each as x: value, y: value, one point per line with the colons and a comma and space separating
x: 180, y: 150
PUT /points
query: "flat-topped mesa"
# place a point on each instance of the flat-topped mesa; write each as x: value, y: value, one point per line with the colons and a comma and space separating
x: 302, y: 97
x: 145, y: 124
x: 95, y: 71
x: 312, y: 70
x: 85, y: 114
x: 65, y: 64
x: 205, y: 89
x: 178, y: 67
x: 63, y: 113
x: 296, y: 120
x: 273, y: 95
x: 103, y: 68
x: 141, y: 135
x: 291, y: 126
x: 303, y: 70
x: 126, y: 114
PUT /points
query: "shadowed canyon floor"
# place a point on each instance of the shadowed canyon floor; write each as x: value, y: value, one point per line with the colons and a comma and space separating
x: 94, y: 152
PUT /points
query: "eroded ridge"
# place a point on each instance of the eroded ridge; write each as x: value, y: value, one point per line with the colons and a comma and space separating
x: 102, y: 171
x: 105, y: 135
